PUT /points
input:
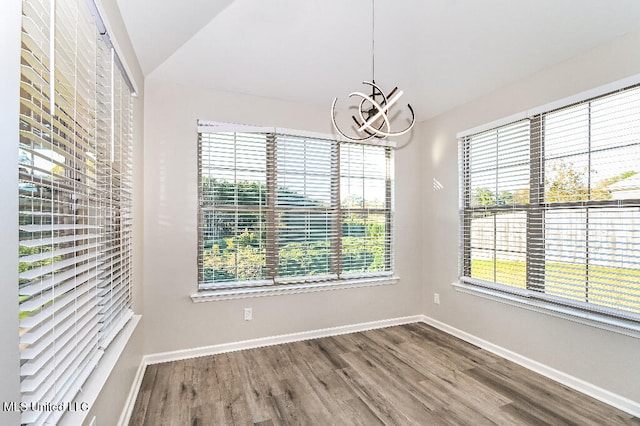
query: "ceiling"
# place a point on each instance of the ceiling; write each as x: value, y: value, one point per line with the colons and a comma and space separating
x: 442, y: 53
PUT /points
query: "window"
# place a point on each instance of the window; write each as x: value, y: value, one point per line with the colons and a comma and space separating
x: 280, y: 208
x: 75, y: 186
x: 550, y: 206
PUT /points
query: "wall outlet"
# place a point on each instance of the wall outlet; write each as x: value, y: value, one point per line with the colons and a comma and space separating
x: 436, y: 298
x: 248, y: 314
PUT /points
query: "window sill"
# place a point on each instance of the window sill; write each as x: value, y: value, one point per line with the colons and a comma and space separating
x: 617, y: 325
x: 94, y: 384
x: 283, y: 289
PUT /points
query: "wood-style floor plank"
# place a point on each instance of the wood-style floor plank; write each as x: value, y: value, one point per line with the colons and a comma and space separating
x: 410, y: 374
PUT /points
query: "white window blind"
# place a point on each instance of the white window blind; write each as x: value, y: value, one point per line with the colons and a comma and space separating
x: 233, y: 206
x: 280, y: 208
x: 74, y: 202
x: 305, y: 210
x: 551, y: 205
x: 366, y: 197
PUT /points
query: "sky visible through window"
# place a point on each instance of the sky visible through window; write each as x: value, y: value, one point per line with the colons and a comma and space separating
x: 609, y: 128
x: 591, y: 145
x: 361, y: 183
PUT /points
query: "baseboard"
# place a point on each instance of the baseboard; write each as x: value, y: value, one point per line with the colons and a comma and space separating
x: 248, y: 344
x: 275, y: 340
x: 620, y: 402
x: 130, y: 402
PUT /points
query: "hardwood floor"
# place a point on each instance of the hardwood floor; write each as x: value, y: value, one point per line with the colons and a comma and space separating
x: 410, y: 374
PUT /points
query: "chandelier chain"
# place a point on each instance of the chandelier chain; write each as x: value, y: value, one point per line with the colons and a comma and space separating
x: 373, y: 40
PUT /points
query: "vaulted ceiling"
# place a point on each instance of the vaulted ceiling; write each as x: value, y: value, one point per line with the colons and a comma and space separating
x: 442, y: 53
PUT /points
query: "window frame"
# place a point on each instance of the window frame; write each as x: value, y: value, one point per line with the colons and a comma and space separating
x: 532, y: 297
x: 273, y: 283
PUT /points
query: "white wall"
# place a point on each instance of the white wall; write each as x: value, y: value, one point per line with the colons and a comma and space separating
x: 10, y: 11
x: 170, y: 235
x: 603, y: 358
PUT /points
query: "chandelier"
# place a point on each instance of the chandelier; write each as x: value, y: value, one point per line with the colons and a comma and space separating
x: 372, y: 120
